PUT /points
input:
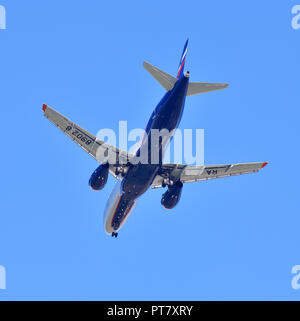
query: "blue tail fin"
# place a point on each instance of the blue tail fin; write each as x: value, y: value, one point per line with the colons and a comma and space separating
x: 182, y: 60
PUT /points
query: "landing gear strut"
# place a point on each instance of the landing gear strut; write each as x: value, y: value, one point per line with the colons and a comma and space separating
x: 166, y: 182
x: 114, y: 234
x: 120, y: 170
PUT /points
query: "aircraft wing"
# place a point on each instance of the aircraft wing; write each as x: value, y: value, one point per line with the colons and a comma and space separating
x: 188, y: 174
x: 92, y: 145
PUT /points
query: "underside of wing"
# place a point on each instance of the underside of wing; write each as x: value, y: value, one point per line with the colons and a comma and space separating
x: 166, y: 80
x: 187, y: 174
x: 196, y: 88
x: 98, y: 149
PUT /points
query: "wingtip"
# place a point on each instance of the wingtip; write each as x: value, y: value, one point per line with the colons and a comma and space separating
x: 264, y: 164
x: 44, y: 107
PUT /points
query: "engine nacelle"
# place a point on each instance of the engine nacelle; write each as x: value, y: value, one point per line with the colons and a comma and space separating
x: 99, y: 178
x: 172, y: 196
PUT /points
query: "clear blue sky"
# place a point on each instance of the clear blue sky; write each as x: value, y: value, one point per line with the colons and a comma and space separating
x: 233, y: 238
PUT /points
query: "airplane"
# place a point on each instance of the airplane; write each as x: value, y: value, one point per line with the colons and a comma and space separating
x: 134, y: 177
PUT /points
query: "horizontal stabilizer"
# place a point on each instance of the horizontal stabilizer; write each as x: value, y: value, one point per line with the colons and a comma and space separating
x: 196, y: 88
x: 166, y: 80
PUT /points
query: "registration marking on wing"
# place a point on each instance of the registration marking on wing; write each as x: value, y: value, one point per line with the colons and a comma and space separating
x: 80, y: 135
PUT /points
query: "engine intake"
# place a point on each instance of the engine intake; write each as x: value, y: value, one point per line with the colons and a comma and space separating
x: 99, y: 178
x: 172, y: 196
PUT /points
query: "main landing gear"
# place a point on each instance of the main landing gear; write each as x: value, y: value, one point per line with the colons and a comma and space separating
x: 114, y: 234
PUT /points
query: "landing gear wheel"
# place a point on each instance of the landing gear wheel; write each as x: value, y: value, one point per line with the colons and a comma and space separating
x: 114, y: 234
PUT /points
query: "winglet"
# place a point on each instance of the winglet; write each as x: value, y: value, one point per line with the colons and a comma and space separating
x: 264, y: 164
x: 44, y: 107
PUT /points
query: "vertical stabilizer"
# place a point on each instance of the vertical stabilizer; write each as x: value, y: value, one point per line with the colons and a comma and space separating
x: 182, y: 60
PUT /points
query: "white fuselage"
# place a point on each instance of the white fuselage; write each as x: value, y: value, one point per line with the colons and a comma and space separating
x: 112, y: 207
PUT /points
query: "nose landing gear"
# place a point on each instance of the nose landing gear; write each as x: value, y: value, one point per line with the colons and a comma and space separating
x: 114, y: 234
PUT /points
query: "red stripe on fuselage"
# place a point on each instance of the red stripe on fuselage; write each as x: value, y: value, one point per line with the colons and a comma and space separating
x: 115, y: 211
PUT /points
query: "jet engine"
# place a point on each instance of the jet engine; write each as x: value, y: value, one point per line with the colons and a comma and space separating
x: 172, y: 196
x: 99, y: 177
